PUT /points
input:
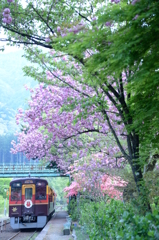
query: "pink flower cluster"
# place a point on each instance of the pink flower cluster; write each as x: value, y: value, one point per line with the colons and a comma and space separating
x: 111, y: 184
x: 74, y: 29
x: 109, y: 24
x: 6, y: 14
x: 115, y: 1
x: 134, y: 2
x: 44, y: 100
x: 73, y: 189
x: 47, y: 39
x: 93, y: 181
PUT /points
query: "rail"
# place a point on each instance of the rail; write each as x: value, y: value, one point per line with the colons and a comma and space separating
x: 14, y: 235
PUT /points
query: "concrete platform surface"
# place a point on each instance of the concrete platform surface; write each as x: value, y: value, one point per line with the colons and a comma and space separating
x: 54, y: 228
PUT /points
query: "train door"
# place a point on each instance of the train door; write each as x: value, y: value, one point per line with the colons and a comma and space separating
x: 28, y: 193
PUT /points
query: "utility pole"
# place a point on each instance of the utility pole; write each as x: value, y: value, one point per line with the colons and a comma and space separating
x: 5, y: 210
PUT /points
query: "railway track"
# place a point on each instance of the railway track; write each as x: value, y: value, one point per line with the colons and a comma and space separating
x: 14, y: 236
x: 7, y: 233
x: 11, y: 234
x: 22, y: 235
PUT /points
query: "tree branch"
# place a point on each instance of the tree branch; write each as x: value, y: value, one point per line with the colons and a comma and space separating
x: 60, y: 79
x: 27, y: 43
x: 79, y: 133
x: 81, y: 15
x: 43, y: 19
x: 115, y: 136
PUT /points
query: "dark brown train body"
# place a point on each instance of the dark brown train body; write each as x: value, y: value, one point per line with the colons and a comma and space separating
x: 31, y: 203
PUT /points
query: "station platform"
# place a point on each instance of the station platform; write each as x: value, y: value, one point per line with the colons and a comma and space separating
x: 54, y: 228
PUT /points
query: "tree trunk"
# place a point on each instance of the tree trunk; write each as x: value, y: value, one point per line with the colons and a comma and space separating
x: 138, y: 175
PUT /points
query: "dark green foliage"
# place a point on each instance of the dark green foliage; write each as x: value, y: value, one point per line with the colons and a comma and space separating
x: 52, y: 165
x: 116, y: 220
x: 4, y: 186
x: 72, y: 210
x: 4, y: 194
x: 58, y: 184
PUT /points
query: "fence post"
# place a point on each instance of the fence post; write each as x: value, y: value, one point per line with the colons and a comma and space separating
x: 2, y: 225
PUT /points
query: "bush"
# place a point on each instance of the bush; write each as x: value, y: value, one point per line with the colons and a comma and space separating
x: 4, y: 184
x: 73, y: 210
x: 116, y: 220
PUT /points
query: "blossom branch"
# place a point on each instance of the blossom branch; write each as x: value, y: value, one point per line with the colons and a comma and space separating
x: 42, y: 19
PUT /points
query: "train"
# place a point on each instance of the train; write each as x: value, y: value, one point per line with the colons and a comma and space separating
x: 31, y: 203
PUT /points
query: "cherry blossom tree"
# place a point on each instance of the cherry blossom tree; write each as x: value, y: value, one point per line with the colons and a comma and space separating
x: 61, y: 136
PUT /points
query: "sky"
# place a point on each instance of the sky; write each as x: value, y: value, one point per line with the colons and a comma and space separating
x: 7, y: 48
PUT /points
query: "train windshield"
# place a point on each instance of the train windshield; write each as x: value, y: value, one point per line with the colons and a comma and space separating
x: 28, y: 193
x: 16, y: 194
x: 40, y: 190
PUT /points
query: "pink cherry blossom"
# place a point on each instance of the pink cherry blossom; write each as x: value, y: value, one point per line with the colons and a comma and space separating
x: 73, y: 189
x: 7, y: 20
x: 134, y: 2
x: 115, y: 1
x: 136, y: 16
x: 6, y: 15
x: 47, y: 39
x: 58, y: 29
x: 108, y: 24
x: 94, y: 19
x: 6, y: 10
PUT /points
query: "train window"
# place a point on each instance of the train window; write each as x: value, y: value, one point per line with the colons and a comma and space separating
x: 16, y: 184
x: 41, y: 184
x: 16, y: 194
x: 28, y: 193
x: 40, y: 191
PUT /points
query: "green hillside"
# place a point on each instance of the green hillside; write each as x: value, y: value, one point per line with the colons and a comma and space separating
x: 12, y: 96
x: 12, y: 92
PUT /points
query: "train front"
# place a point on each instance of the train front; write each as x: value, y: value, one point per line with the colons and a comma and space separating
x: 28, y: 203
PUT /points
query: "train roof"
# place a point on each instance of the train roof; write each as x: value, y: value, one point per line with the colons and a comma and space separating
x: 23, y: 180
